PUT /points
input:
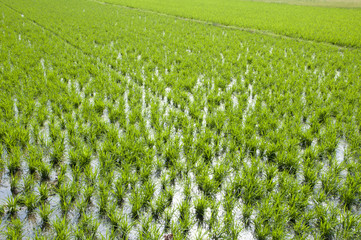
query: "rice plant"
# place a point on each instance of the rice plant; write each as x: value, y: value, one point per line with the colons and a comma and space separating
x: 44, y: 191
x: 86, y: 227
x: 44, y: 170
x: 162, y: 131
x: 12, y: 203
x: 61, y: 228
x: 114, y: 218
x: 35, y: 155
x: 14, y: 229
x: 200, y: 206
x: 58, y: 151
x: 246, y: 214
x: 158, y: 206
x: 125, y: 227
x: 88, y: 193
x: 28, y: 184
x: 14, y: 183
x: 81, y: 205
x: 31, y: 201
x: 14, y: 161
x: 44, y: 212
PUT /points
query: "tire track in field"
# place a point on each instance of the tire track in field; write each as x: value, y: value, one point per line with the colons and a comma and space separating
x: 232, y: 27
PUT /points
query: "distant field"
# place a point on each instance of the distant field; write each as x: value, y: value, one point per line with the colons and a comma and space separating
x: 339, y: 26
x: 321, y: 3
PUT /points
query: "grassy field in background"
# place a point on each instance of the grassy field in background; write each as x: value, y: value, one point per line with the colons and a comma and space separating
x: 339, y: 26
x: 320, y: 3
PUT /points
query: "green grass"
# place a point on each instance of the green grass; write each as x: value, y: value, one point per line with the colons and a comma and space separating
x: 116, y: 122
x: 332, y: 25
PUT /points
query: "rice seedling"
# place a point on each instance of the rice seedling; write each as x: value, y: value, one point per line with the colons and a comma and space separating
x: 58, y: 151
x: 87, y: 227
x: 137, y: 200
x: 184, y: 210
x: 35, y: 155
x: 63, y: 191
x: 171, y: 155
x: 44, y: 191
x: 301, y: 228
x: 246, y: 214
x: 31, y: 201
x: 90, y: 175
x: 106, y: 164
x: 44, y: 212
x: 14, y: 183
x: 145, y: 173
x: 2, y: 210
x: 220, y: 171
x: 288, y: 162
x: 325, y: 222
x: 81, y: 205
x: 38, y: 235
x: 44, y: 142
x: 114, y: 218
x: 172, y: 175
x: 234, y: 230
x: 76, y: 173
x: 213, y: 220
x: 187, y: 189
x: 41, y: 115
x: 348, y: 194
x: 75, y: 141
x: 28, y: 183
x: 125, y: 227
x: 110, y: 234
x: 262, y: 228
x: 61, y: 228
x: 158, y: 206
x: 278, y: 232
x: 103, y: 198
x: 329, y: 183
x: 84, y: 157
x: 168, y: 213
x: 65, y: 206
x: 14, y: 229
x: 99, y: 106
x: 200, y: 205
x: 169, y: 194
x: 218, y: 232
x: 14, y: 161
x: 310, y: 175
x: 207, y: 185
x: 44, y: 170
x: 88, y: 193
x: 350, y: 225
x: 12, y: 203
x: 147, y: 231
